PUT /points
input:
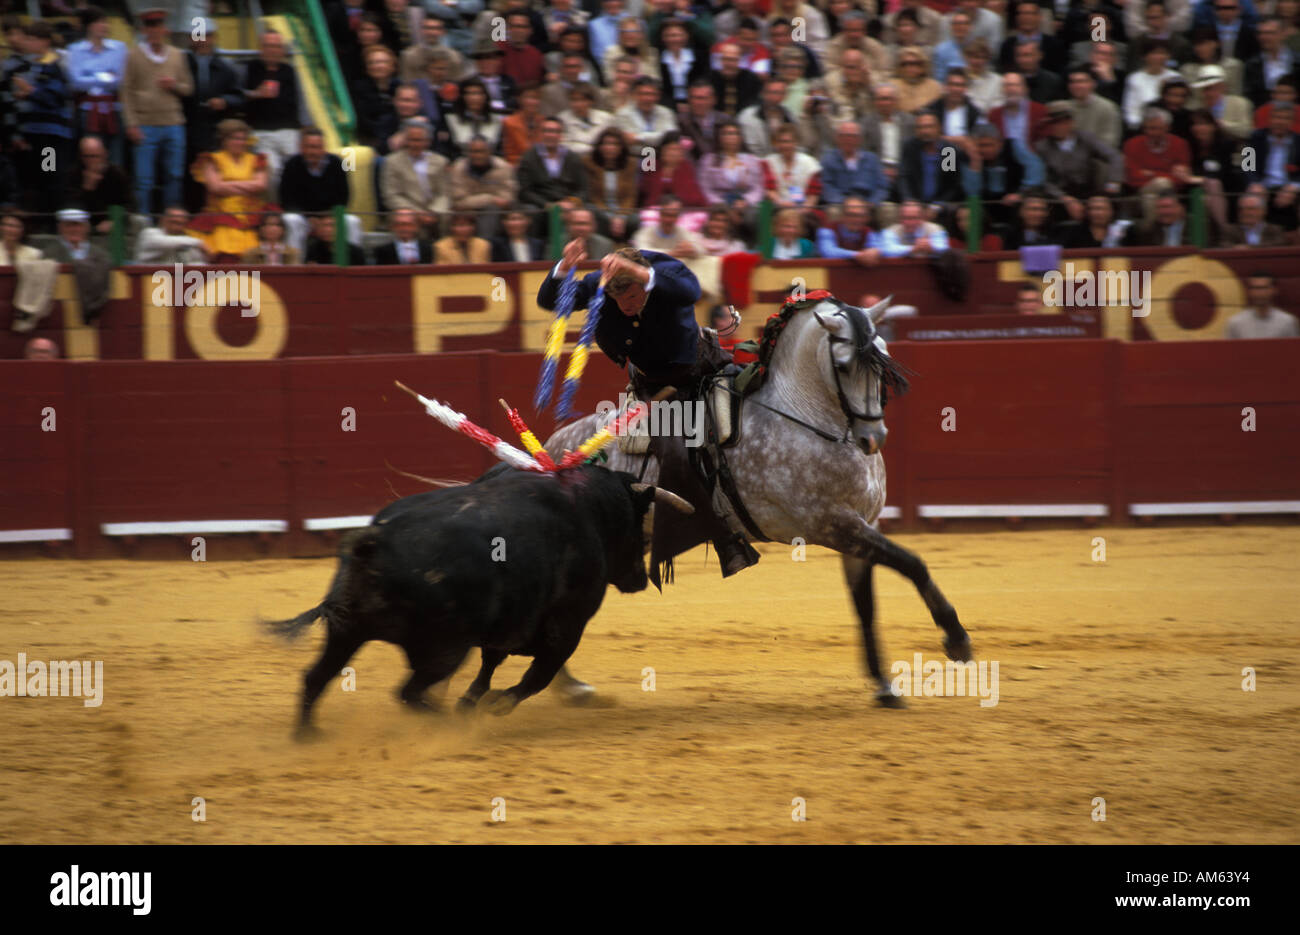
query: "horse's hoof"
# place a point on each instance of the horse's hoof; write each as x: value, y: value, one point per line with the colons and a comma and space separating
x: 466, y: 705
x: 497, y: 703
x: 887, y: 699
x: 575, y: 693
x: 306, y: 733
x: 959, y: 650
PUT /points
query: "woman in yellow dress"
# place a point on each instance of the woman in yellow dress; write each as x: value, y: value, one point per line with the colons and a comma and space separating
x: 236, y: 180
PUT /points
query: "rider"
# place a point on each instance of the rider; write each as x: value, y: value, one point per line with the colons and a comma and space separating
x: 657, y: 336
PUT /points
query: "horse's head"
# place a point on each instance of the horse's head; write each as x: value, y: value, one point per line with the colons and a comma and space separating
x: 857, y: 368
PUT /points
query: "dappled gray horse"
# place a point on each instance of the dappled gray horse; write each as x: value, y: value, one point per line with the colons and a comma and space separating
x: 808, y: 464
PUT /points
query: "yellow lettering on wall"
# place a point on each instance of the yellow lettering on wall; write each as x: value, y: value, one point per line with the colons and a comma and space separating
x: 431, y: 324
x: 272, y: 329
x: 1182, y: 271
x: 770, y: 279
x: 159, y: 326
x: 1116, y: 320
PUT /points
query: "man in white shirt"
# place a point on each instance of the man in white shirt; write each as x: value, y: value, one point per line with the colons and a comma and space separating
x: 913, y: 235
x: 667, y: 236
x: 985, y: 24
x: 1260, y: 319
x: 1143, y: 87
x: 168, y: 243
x: 644, y: 122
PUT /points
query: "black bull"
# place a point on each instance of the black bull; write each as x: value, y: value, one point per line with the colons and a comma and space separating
x: 515, y: 563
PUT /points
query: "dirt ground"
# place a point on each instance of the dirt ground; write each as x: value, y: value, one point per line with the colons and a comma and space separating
x: 1120, y: 680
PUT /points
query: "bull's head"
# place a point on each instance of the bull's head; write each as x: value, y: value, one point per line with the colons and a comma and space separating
x: 627, y: 570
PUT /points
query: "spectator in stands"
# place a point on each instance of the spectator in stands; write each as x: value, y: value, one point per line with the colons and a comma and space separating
x: 1093, y: 114
x: 473, y: 116
x: 1156, y: 161
x: 556, y: 94
x: 849, y: 169
x: 1261, y: 319
x: 580, y: 224
x: 482, y: 184
x: 406, y: 107
x: 1252, y: 229
x: 413, y: 63
x: 913, y: 235
x: 500, y: 87
x: 1029, y: 31
x: 1174, y: 95
x: 644, y: 122
x: 1158, y: 26
x: 314, y: 182
x: 787, y: 242
x: 521, y: 61
x: 734, y: 88
x: 573, y: 42
x: 168, y: 243
x: 582, y: 121
x: 916, y: 89
x: 1275, y: 171
x: 631, y: 44
x: 1236, y: 31
x: 1041, y: 85
x: 402, y: 20
x: 731, y: 176
x: 1033, y: 226
x: 984, y: 85
x: 99, y: 185
x: 849, y: 87
x: 929, y: 23
x: 1080, y: 44
x: 272, y: 248
x: 796, y: 176
x: 1018, y: 118
x: 716, y: 237
x: 667, y: 235
x: 1074, y: 161
x: 236, y: 183
x: 986, y: 25
x: 513, y: 244
x: 44, y: 121
x: 372, y: 97
x: 1167, y: 228
x: 727, y: 23
x: 320, y: 245
x: 522, y: 129
x: 217, y: 92
x: 416, y: 178
x: 612, y: 176
x: 1029, y: 299
x: 1099, y: 227
x: 273, y: 105
x: 353, y: 32
x: 998, y: 172
x: 1206, y: 53
x: 672, y: 173
x: 1142, y: 88
x: 1213, y: 165
x: 869, y: 54
x: 679, y: 66
x: 91, y: 266
x: 438, y: 94
x: 888, y: 131
x: 700, y: 120
x: 760, y: 121
x: 948, y: 53
x: 549, y: 174
x: 1232, y: 112
x: 40, y: 349
x: 1274, y: 61
x: 622, y: 89
x: 1111, y: 79
x: 407, y: 248
x: 850, y: 237
x: 13, y: 231
x: 95, y: 68
x: 603, y: 29
x: 957, y: 114
x: 931, y: 169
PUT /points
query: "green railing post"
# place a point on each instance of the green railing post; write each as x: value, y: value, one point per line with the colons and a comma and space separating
x: 117, y: 237
x: 555, y: 231
x: 1198, y: 217
x: 341, y: 251
x: 315, y: 22
x: 765, y: 229
x: 974, y: 224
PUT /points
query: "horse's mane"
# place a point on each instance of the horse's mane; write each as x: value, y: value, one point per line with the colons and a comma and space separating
x: 888, y: 371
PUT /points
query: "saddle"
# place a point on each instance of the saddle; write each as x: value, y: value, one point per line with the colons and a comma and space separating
x: 722, y: 400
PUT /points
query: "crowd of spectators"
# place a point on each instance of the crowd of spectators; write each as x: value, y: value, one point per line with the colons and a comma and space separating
x: 835, y: 128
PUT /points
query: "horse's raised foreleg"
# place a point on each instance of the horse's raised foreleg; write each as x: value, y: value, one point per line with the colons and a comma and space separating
x: 875, y: 548
x: 857, y: 574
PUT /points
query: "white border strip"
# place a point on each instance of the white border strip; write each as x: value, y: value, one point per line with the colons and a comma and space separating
x: 1214, y: 508
x: 34, y: 535
x: 1000, y: 511
x: 195, y: 526
x: 890, y: 512
x: 335, y: 522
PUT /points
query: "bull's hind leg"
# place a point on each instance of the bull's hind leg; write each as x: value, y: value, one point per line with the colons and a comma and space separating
x: 338, y: 650
x: 571, y: 689
x: 483, y: 681
x: 857, y: 573
x: 429, y: 668
x: 545, y: 664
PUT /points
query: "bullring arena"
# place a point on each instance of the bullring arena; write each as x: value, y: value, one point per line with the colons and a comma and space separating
x: 1132, y: 568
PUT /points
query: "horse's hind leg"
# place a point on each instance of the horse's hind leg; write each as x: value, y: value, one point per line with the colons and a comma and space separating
x: 878, y: 549
x: 857, y: 573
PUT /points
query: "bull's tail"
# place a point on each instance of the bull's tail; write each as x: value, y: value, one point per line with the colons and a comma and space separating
x: 292, y: 629
x: 334, y: 608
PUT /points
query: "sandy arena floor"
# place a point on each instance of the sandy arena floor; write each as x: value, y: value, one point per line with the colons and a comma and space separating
x: 1121, y: 680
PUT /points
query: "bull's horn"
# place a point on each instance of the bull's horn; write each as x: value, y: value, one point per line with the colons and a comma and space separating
x: 666, y: 497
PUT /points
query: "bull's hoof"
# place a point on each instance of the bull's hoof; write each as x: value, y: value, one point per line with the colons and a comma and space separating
x: 574, y: 692
x: 421, y: 705
x: 306, y: 733
x: 497, y: 702
x: 959, y: 650
x: 886, y: 698
x: 466, y: 705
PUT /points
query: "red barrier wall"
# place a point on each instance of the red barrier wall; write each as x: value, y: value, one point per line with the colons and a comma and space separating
x: 1081, y: 421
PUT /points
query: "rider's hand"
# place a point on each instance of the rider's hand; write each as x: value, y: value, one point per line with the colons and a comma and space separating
x: 575, y: 251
